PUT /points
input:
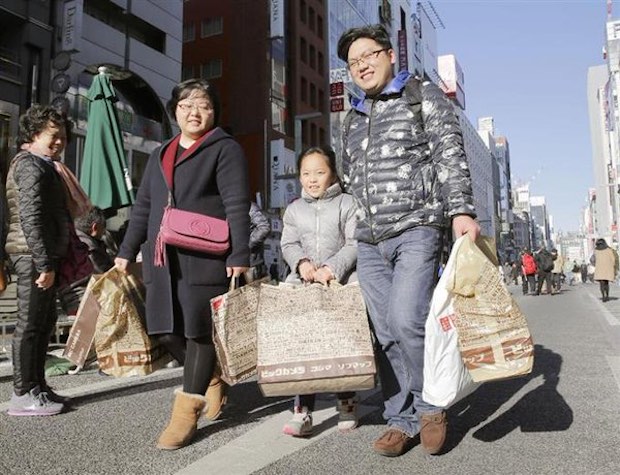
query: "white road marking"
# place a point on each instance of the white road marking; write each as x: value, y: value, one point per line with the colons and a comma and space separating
x: 611, y: 320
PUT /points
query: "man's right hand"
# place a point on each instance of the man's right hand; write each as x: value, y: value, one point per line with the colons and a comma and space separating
x: 121, y: 264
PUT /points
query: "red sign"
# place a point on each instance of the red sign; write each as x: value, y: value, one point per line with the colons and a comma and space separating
x: 402, y: 50
x: 337, y: 104
x: 336, y: 89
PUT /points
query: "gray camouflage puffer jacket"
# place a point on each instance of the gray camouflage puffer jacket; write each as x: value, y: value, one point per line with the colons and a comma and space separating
x: 321, y: 230
x: 404, y: 160
x: 38, y: 215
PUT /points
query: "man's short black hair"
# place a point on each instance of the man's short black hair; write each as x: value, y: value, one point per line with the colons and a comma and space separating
x: 373, y: 32
x: 94, y: 216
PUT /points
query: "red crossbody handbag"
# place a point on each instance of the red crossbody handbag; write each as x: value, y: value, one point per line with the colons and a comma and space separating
x: 192, y: 231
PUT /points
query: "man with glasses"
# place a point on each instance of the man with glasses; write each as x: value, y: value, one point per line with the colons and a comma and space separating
x: 404, y: 162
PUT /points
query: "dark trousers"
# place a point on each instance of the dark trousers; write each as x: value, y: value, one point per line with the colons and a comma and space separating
x: 556, y: 279
x: 604, y: 286
x: 529, y: 281
x: 544, y: 277
x: 36, y: 318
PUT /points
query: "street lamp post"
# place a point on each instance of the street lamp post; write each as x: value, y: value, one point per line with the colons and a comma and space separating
x: 298, y: 128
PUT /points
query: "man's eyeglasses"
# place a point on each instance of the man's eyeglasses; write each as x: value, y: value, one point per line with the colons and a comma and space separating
x: 368, y: 59
x: 185, y: 107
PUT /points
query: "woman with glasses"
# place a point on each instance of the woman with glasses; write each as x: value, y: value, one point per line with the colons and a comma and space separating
x: 203, y: 170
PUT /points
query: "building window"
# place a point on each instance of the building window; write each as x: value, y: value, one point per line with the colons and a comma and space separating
x: 319, y: 26
x: 312, y: 95
x: 303, y: 50
x: 322, y: 137
x: 311, y: 18
x: 304, y: 89
x: 302, y: 10
x: 128, y: 24
x: 189, y: 32
x: 321, y: 100
x: 187, y: 72
x: 321, y: 62
x: 211, y: 27
x: 312, y: 57
x: 211, y: 69
x: 313, y: 135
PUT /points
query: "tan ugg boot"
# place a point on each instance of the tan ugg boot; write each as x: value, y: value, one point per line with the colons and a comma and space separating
x: 216, y: 396
x: 183, y: 422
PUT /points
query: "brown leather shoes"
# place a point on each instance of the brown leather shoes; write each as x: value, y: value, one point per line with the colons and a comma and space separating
x: 433, y: 432
x: 393, y: 443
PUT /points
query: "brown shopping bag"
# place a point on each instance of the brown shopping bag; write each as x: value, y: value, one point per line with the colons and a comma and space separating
x: 494, y: 339
x: 234, y: 331
x: 82, y: 334
x: 122, y: 344
x: 313, y: 339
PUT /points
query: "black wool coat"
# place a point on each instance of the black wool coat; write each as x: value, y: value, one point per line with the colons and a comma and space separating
x: 212, y: 180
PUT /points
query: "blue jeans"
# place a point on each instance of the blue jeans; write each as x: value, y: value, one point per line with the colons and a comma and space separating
x: 397, y: 277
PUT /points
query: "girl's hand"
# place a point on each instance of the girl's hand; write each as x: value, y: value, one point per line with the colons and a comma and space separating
x: 307, y: 271
x: 235, y: 271
x: 324, y: 275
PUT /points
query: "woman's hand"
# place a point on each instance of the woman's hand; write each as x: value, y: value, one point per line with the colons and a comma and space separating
x: 121, y: 264
x: 324, y: 275
x: 46, y: 280
x: 307, y: 271
x: 235, y: 271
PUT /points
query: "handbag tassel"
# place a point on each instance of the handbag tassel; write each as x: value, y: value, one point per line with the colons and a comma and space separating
x: 160, y: 252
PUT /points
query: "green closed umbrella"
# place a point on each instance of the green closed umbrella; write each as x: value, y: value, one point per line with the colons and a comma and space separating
x: 104, y: 174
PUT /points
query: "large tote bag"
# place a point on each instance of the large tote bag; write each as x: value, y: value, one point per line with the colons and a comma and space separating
x: 234, y: 331
x: 493, y: 335
x: 123, y: 347
x: 313, y: 339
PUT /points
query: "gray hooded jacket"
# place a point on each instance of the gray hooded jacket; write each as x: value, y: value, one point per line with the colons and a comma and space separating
x: 321, y: 230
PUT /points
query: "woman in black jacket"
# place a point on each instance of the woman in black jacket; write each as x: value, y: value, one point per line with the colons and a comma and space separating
x: 38, y: 238
x: 205, y: 171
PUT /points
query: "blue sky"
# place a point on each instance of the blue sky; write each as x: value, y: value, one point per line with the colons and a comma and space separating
x: 525, y: 63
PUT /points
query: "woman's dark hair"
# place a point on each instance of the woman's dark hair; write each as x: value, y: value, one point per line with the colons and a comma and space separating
x: 373, y: 32
x: 184, y: 89
x: 326, y: 152
x: 36, y: 119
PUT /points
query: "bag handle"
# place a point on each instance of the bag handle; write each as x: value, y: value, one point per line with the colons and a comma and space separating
x: 234, y: 283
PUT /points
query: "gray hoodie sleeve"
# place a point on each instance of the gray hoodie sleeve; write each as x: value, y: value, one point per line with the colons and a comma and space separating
x: 290, y: 242
x: 343, y: 262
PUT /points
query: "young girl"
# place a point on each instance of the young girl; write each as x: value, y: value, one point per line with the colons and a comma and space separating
x: 318, y: 245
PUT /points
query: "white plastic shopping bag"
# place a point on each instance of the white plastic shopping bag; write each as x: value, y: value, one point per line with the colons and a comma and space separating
x: 446, y: 379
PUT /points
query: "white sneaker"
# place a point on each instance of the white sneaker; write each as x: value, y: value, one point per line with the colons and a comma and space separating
x: 347, y: 414
x: 33, y: 403
x: 301, y: 423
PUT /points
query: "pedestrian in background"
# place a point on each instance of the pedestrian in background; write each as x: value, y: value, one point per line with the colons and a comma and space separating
x: 605, y: 261
x: 529, y: 269
x: 544, y: 266
x: 556, y: 272
x: 515, y: 272
x: 259, y: 230
x: 202, y: 170
x: 318, y: 243
x: 404, y: 162
x: 38, y: 238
